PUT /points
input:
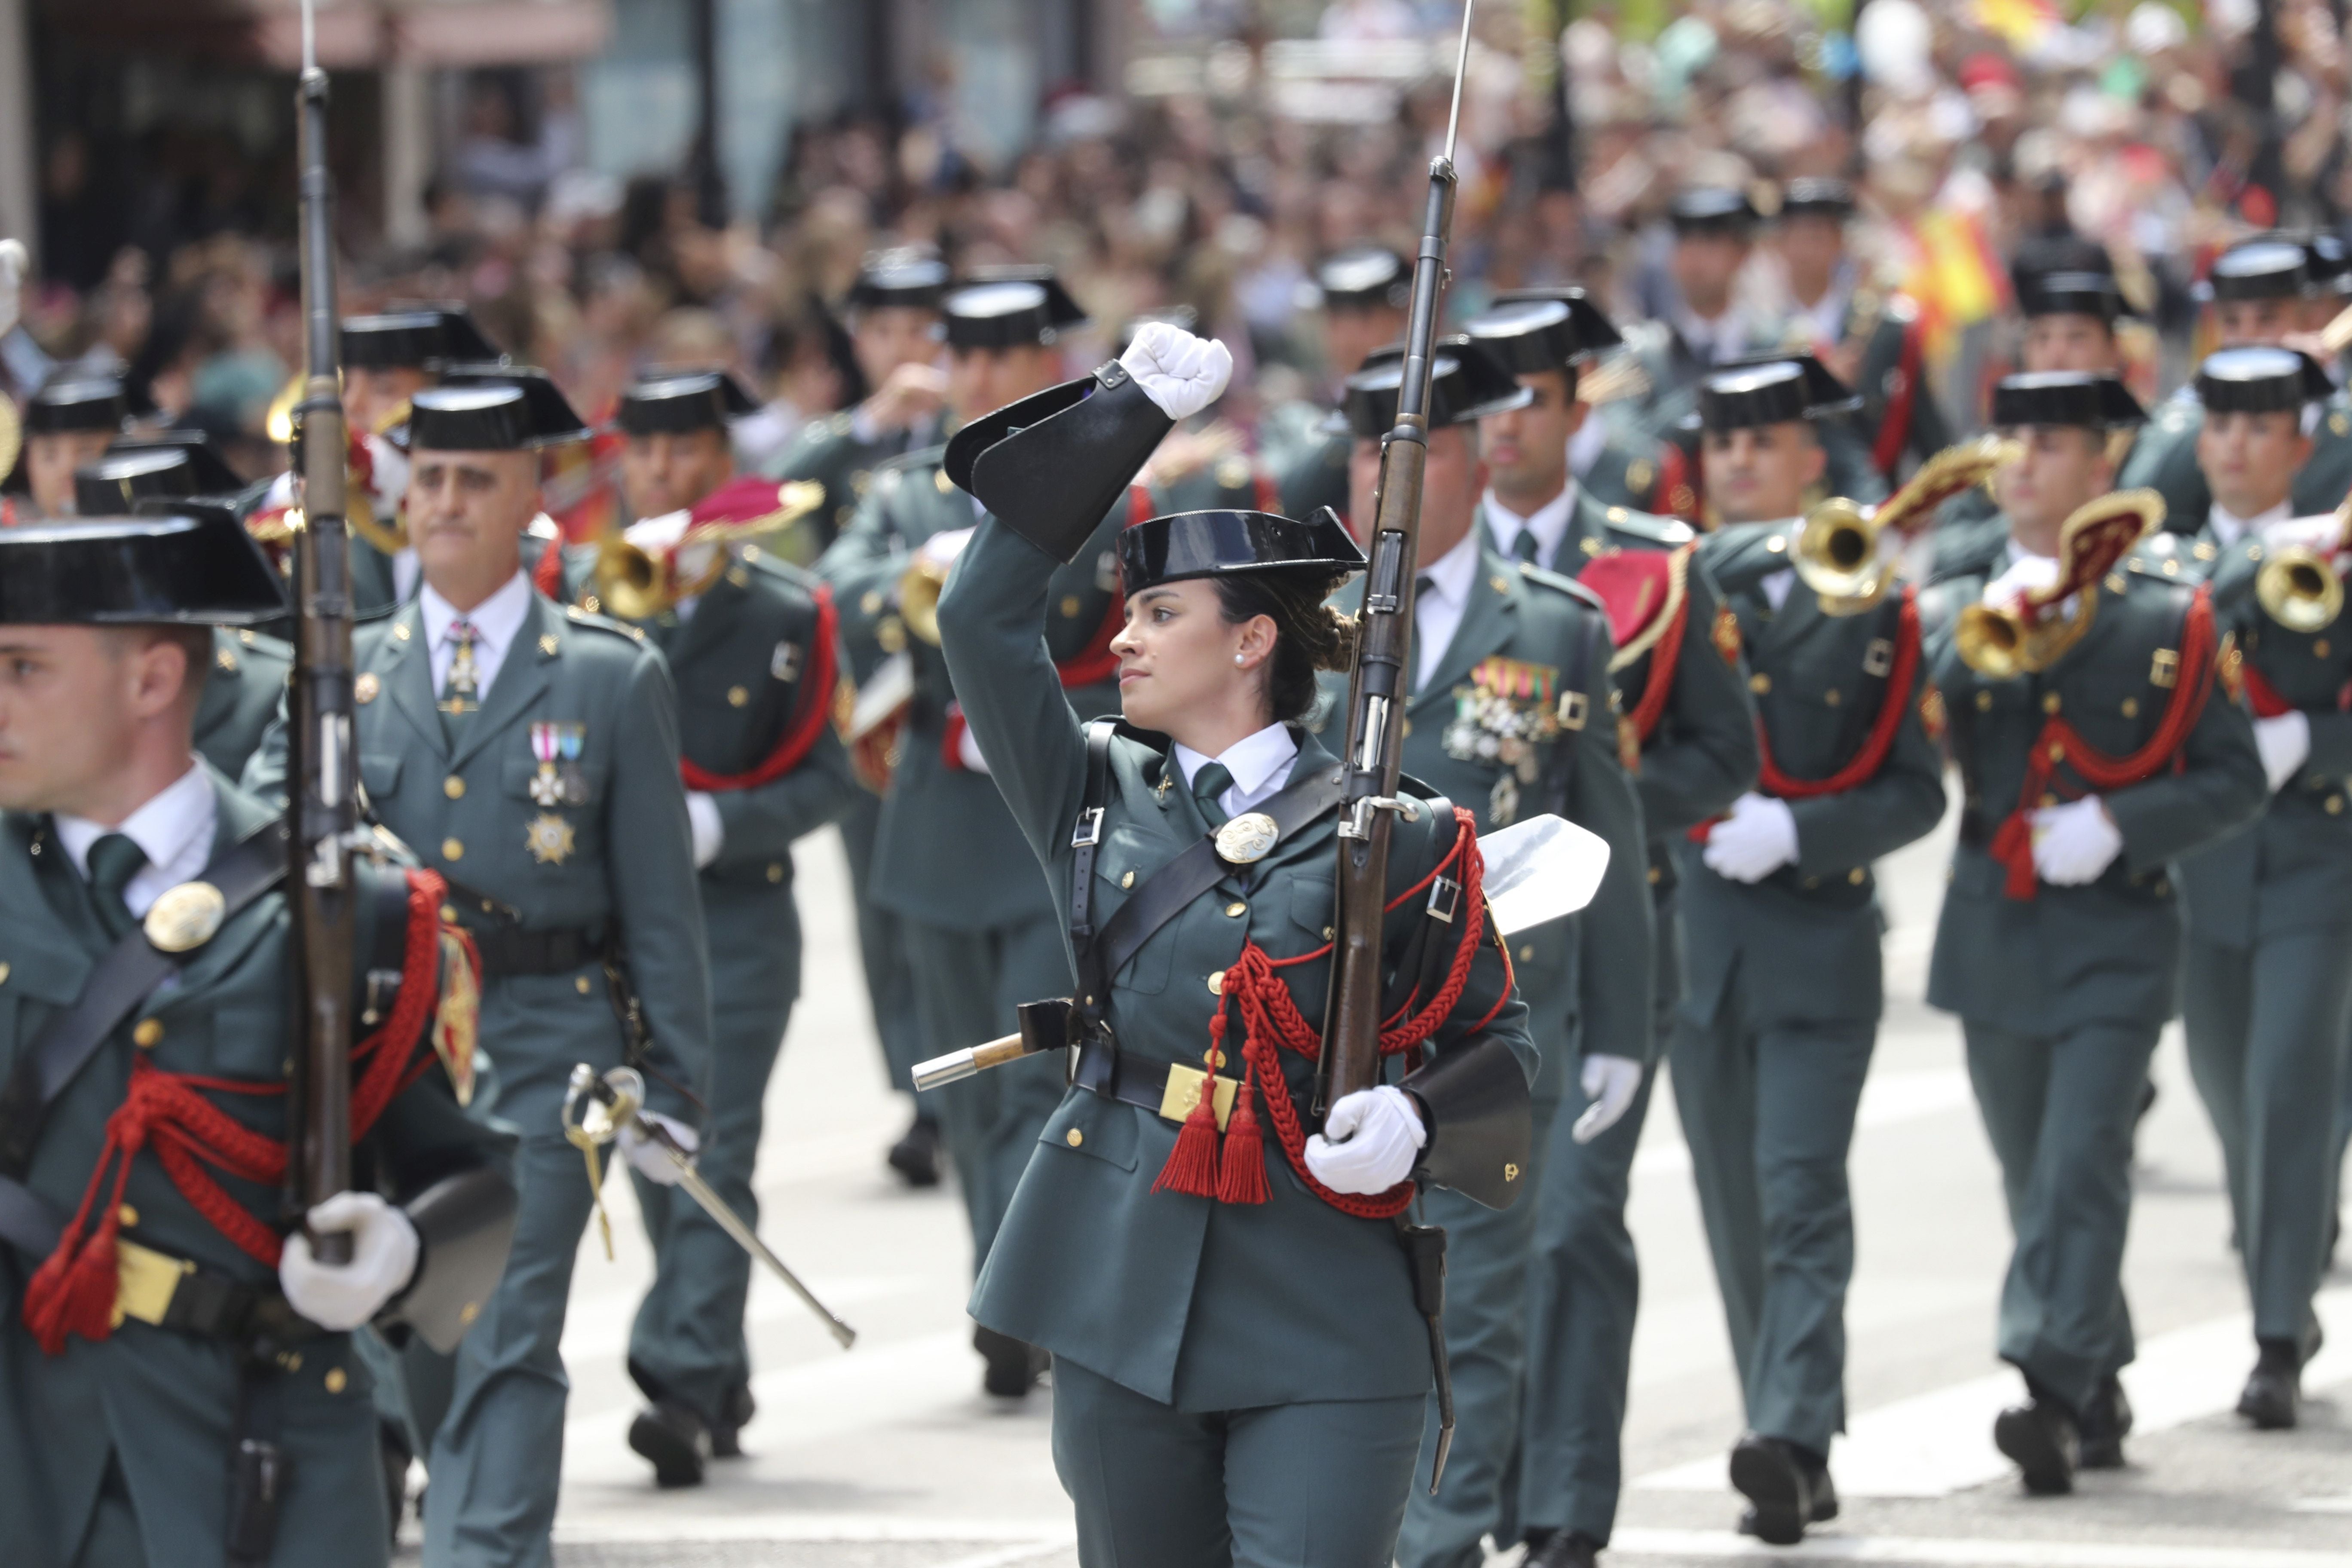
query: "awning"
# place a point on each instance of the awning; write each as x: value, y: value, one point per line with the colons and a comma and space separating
x: 353, y: 34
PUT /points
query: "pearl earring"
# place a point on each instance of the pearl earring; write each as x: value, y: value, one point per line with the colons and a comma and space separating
x: 1237, y: 658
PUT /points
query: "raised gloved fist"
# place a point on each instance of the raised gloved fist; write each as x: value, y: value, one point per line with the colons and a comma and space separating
x: 1755, y: 840
x: 1181, y: 372
x: 2284, y: 742
x: 1368, y: 1141
x: 342, y: 1296
x: 645, y: 1153
x: 2074, y: 844
x: 1611, y: 1082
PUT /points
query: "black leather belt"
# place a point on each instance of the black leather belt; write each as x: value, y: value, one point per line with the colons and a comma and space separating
x: 192, y: 1298
x: 509, y: 950
x: 1145, y: 1081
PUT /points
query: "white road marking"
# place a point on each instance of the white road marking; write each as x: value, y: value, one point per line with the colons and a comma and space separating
x: 1934, y: 1553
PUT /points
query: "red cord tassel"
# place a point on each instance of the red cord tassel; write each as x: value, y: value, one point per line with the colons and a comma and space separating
x: 1191, y: 1165
x: 73, y: 1291
x: 1242, y: 1178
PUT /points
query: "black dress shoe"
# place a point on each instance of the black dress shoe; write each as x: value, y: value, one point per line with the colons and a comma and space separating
x: 726, y: 1435
x: 1564, y: 1549
x: 2041, y: 1438
x: 916, y: 1155
x: 2106, y: 1421
x: 676, y: 1440
x: 2275, y: 1388
x: 1771, y: 1474
x: 1013, y: 1365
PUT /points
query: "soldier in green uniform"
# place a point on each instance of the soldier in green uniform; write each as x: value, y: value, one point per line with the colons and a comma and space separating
x: 975, y: 914
x: 1512, y: 714
x: 531, y: 753
x: 177, y: 1382
x: 69, y: 424
x: 1240, y: 1360
x: 2267, y: 998
x: 1364, y: 291
x: 2059, y: 945
x: 750, y: 641
x: 1688, y: 731
x: 1783, y: 921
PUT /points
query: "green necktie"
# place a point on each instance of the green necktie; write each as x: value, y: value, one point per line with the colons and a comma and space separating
x: 461, y: 693
x: 1527, y: 547
x: 113, y: 861
x: 1213, y: 780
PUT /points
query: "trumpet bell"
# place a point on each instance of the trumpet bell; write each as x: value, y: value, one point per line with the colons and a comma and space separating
x: 630, y: 582
x: 918, y: 598
x: 1837, y: 556
x: 2300, y: 590
x: 1991, y: 641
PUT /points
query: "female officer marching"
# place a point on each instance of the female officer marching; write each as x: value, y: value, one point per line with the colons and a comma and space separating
x: 1240, y: 1362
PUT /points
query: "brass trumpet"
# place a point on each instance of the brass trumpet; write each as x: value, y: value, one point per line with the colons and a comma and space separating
x: 2001, y: 641
x: 918, y: 598
x: 2299, y: 586
x: 638, y: 585
x: 1838, y: 553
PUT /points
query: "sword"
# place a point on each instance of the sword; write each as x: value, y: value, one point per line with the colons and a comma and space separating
x: 613, y: 1102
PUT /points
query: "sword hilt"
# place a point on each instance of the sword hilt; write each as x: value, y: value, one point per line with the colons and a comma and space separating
x: 957, y: 1065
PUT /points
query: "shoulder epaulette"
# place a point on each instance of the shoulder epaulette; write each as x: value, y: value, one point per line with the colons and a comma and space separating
x: 1668, y: 533
x: 1562, y: 584
x: 590, y: 618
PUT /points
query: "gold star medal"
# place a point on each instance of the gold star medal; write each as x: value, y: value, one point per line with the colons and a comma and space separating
x: 548, y: 838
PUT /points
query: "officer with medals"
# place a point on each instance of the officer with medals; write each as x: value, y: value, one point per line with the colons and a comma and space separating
x: 893, y: 316
x: 1686, y: 731
x: 1256, y: 1393
x: 2093, y: 717
x: 1512, y: 714
x: 1779, y: 912
x: 750, y: 642
x: 529, y: 753
x: 1364, y: 290
x: 949, y: 863
x: 177, y: 1380
x: 69, y: 424
x: 2267, y: 997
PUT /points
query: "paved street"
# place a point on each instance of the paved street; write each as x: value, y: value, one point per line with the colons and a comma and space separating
x: 888, y: 1456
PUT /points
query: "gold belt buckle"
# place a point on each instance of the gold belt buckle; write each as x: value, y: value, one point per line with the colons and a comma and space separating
x: 145, y: 1282
x: 1183, y: 1093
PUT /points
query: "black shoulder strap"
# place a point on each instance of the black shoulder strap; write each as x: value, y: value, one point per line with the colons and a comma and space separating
x: 1085, y: 839
x: 1559, y: 768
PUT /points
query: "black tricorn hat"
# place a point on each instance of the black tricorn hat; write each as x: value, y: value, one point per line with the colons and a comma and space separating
x: 1815, y: 195
x: 2064, y: 397
x: 1009, y: 307
x: 1234, y: 544
x: 76, y: 401
x: 493, y: 408
x: 1364, y: 277
x: 1537, y: 330
x: 1466, y: 383
x: 2072, y: 294
x: 207, y: 472
x: 116, y: 482
x: 1052, y: 466
x: 905, y: 276
x: 193, y: 569
x: 1711, y: 209
x: 2259, y: 379
x: 683, y: 401
x: 416, y: 337
x: 2258, y: 269
x: 1772, y: 389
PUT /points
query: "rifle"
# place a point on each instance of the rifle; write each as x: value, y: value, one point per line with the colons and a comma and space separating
x: 1351, y: 1025
x: 323, y: 790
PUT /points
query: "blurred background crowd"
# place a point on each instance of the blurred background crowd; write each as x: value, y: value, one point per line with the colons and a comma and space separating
x: 643, y: 202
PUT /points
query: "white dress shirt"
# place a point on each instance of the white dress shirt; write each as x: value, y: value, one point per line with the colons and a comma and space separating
x: 1711, y: 339
x: 1260, y: 765
x: 1438, y: 606
x: 2229, y: 527
x: 1549, y: 520
x: 175, y: 828
x: 497, y: 622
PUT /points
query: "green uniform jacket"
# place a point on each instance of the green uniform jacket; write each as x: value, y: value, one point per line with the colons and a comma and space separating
x: 620, y: 864
x: 948, y: 853
x: 2293, y: 869
x: 1805, y: 940
x: 1633, y: 473
x: 1307, y: 448
x: 1202, y: 1305
x: 2164, y: 458
x: 1586, y: 979
x: 1890, y: 322
x: 2107, y: 951
x: 242, y: 691
x: 829, y: 452
x: 161, y: 1402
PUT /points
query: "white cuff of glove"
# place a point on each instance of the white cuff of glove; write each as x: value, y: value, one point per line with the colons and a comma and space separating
x: 645, y: 1153
x: 1611, y: 1082
x: 2074, y: 844
x: 709, y: 831
x: 968, y: 751
x: 1181, y: 372
x: 2286, y: 744
x: 1756, y: 839
x: 1368, y: 1141
x: 343, y: 1296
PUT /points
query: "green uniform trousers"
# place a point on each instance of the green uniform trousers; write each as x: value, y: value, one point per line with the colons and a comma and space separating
x: 1767, y: 1112
x: 967, y: 986
x: 498, y: 1454
x: 2058, y: 1109
x: 882, y: 949
x: 2266, y: 1028
x: 1319, y: 1485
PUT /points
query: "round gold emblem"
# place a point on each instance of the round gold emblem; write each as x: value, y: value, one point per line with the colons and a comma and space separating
x: 364, y: 688
x: 185, y: 917
x: 548, y: 838
x: 1246, y: 837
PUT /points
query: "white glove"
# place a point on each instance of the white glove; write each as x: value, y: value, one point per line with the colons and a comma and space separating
x: 13, y: 264
x: 646, y: 1155
x: 710, y: 832
x: 968, y: 751
x: 341, y: 1296
x: 2073, y: 843
x: 1378, y: 1132
x: 2286, y: 744
x: 1756, y: 839
x: 1181, y: 372
x: 1611, y: 1081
